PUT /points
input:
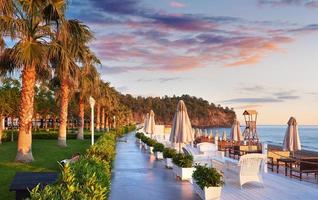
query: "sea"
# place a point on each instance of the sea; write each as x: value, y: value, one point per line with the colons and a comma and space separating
x: 275, y: 135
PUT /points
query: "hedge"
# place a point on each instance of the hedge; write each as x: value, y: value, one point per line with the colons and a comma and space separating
x: 88, y: 178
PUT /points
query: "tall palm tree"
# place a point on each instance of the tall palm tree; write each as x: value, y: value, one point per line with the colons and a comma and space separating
x: 25, y: 23
x: 73, y: 36
x: 88, y: 80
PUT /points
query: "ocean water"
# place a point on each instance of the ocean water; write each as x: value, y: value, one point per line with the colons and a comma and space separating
x: 275, y: 135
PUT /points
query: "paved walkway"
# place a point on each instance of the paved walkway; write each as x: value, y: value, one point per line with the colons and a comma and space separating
x: 138, y: 176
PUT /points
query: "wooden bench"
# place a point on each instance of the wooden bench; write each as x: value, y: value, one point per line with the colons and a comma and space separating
x: 25, y: 181
x: 307, y: 165
x: 273, y: 155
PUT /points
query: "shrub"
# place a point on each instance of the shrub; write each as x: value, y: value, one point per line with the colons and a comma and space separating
x: 139, y: 135
x: 88, y: 178
x: 169, y: 153
x: 207, y: 177
x: 158, y: 147
x: 182, y: 160
x: 151, y: 142
x: 144, y: 139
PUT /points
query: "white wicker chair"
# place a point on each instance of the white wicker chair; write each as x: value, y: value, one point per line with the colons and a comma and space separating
x: 251, y: 168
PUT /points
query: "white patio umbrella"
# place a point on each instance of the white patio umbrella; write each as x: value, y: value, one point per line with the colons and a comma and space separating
x: 216, y: 137
x: 150, y: 128
x: 291, y: 139
x: 236, y: 134
x: 146, y: 122
x: 224, y: 136
x: 181, y: 131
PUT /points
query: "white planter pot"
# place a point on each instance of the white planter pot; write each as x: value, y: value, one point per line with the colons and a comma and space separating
x: 150, y: 150
x: 169, y: 163
x: 159, y: 155
x: 210, y: 193
x: 145, y: 146
x: 183, y: 173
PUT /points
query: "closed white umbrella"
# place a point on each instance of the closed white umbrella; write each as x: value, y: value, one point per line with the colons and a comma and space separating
x: 236, y: 134
x: 181, y: 131
x: 291, y: 140
x: 224, y: 136
x: 146, y: 122
x: 216, y: 137
x: 151, y: 123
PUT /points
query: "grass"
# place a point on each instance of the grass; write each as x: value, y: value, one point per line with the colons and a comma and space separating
x: 46, y: 154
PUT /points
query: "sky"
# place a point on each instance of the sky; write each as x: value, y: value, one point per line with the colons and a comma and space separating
x: 244, y: 54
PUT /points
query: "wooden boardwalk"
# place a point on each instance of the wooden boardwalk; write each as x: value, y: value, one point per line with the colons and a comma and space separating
x: 276, y: 187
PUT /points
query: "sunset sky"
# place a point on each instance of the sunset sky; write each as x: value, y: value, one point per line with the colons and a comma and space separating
x: 256, y: 54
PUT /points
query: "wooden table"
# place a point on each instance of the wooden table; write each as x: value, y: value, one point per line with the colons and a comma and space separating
x: 288, y: 163
x: 25, y: 181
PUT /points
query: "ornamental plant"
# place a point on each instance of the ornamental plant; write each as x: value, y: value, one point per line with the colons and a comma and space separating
x: 151, y: 142
x: 158, y: 147
x: 139, y: 135
x: 169, y: 153
x: 182, y: 160
x: 207, y: 177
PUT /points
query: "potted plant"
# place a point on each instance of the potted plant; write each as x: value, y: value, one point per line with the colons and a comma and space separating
x: 138, y: 137
x: 168, y: 154
x: 207, y: 182
x: 151, y: 143
x: 182, y: 167
x: 158, y: 149
x: 144, y: 140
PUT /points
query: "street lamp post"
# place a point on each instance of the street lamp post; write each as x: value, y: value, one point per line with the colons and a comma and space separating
x: 92, y: 104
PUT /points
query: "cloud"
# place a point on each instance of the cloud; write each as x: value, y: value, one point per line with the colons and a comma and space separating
x: 146, y: 39
x: 176, y: 4
x: 313, y: 4
x: 253, y: 100
x: 161, y: 80
x: 246, y: 107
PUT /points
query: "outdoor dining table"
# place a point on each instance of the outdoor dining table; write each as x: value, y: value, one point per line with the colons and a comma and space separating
x: 25, y: 181
x: 288, y: 163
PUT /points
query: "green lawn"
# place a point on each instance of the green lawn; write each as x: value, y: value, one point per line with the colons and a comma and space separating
x: 46, y: 154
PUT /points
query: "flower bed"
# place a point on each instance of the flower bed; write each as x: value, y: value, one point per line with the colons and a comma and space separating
x: 90, y: 177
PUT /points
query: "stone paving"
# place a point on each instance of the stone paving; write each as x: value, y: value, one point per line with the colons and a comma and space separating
x: 137, y: 175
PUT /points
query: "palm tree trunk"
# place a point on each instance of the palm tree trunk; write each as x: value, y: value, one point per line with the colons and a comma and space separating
x: 80, y: 135
x: 63, y: 113
x: 103, y: 119
x: 24, y: 153
x: 98, y: 117
x: 1, y: 128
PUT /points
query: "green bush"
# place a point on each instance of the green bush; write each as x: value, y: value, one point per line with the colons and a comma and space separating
x: 144, y: 139
x: 182, y: 160
x: 169, y: 153
x: 207, y: 177
x: 151, y: 142
x: 158, y: 147
x: 139, y: 135
x: 88, y: 178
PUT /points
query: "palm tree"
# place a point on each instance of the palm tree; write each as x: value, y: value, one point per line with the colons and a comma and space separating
x: 73, y: 36
x: 88, y: 80
x: 25, y: 23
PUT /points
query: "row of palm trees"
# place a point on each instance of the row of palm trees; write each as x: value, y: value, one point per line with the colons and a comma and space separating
x: 45, y: 44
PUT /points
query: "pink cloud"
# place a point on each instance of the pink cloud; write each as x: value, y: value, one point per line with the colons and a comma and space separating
x: 176, y: 4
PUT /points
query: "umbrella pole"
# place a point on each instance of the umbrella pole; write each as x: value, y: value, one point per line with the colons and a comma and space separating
x: 180, y: 147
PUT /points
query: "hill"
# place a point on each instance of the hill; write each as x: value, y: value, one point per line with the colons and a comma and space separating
x: 201, y: 112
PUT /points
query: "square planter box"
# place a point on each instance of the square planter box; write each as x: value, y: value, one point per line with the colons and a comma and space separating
x: 150, y: 150
x: 210, y: 193
x: 183, y: 173
x: 159, y: 155
x: 168, y: 163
